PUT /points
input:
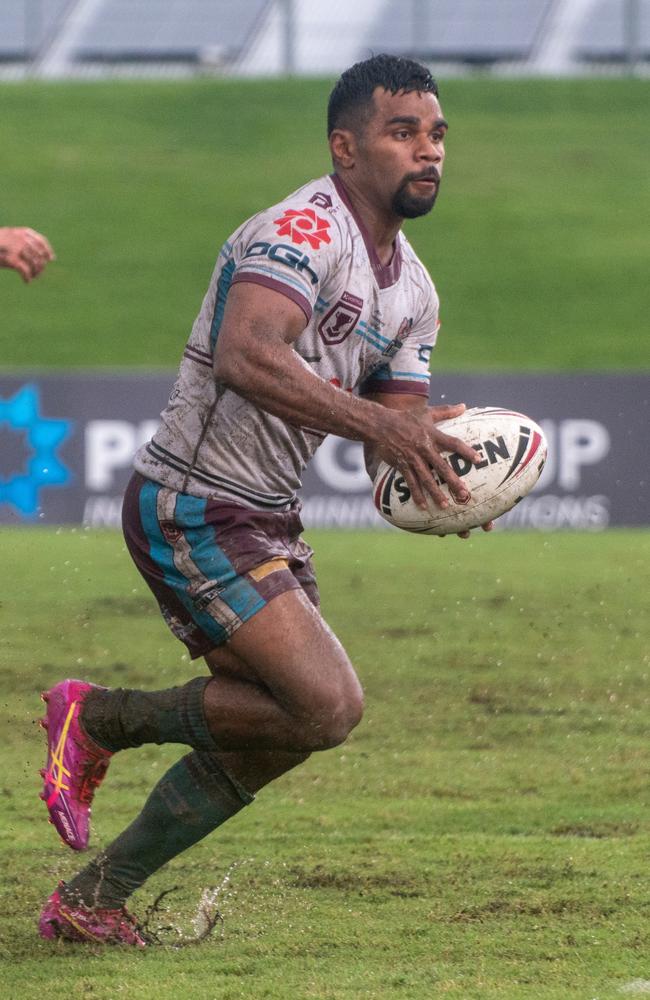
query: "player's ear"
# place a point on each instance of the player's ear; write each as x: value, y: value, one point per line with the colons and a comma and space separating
x: 343, y: 147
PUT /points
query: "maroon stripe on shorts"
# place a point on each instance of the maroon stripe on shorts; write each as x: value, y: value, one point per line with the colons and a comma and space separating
x: 139, y: 548
x: 134, y: 533
x: 250, y: 537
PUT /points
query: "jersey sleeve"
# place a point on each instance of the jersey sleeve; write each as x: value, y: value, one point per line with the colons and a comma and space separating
x: 291, y: 249
x: 406, y: 369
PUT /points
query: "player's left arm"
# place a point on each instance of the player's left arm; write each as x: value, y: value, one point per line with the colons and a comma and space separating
x: 402, y: 382
x: 406, y: 401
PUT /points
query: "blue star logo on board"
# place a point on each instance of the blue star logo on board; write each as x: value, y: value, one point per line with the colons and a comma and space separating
x: 42, y: 435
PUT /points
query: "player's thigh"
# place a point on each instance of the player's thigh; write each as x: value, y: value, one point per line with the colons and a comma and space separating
x: 222, y: 662
x: 297, y: 656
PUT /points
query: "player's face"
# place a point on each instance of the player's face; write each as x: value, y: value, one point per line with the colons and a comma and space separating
x: 401, y: 152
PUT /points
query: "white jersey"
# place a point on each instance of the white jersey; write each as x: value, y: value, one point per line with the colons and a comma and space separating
x: 369, y: 328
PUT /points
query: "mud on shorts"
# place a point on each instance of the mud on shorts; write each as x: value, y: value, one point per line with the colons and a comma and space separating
x: 212, y: 565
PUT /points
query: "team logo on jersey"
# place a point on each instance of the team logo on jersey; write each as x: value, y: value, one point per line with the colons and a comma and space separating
x: 304, y: 226
x: 341, y: 320
x: 404, y: 329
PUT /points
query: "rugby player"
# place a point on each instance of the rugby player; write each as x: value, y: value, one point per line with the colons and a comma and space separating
x: 24, y: 250
x: 319, y: 318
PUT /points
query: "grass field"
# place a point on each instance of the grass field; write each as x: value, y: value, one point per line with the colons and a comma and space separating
x: 538, y: 244
x: 483, y: 835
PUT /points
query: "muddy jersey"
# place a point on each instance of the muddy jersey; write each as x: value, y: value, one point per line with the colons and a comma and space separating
x: 369, y: 328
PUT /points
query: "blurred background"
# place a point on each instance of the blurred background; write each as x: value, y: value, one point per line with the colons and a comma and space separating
x: 138, y: 134
x: 485, y: 832
x: 54, y: 38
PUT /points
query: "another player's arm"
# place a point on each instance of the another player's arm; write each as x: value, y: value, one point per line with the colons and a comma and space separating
x: 403, y: 401
x: 24, y: 250
x: 255, y: 358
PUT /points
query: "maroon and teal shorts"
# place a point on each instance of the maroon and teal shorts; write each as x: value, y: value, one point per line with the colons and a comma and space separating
x: 212, y: 565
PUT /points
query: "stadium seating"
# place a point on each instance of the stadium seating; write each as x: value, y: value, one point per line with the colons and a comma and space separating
x: 169, y: 29
x: 222, y: 32
x: 602, y: 34
x: 136, y: 30
x: 467, y: 30
x: 25, y: 26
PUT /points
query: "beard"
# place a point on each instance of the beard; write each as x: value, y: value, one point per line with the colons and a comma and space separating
x: 410, y: 206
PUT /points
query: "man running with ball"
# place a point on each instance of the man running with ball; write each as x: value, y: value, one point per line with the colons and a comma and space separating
x: 319, y: 319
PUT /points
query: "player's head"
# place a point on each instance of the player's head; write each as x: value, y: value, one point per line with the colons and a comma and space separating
x: 351, y: 101
x: 386, y: 132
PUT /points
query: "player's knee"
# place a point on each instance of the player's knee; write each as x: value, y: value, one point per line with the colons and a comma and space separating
x: 336, y: 719
x: 355, y: 706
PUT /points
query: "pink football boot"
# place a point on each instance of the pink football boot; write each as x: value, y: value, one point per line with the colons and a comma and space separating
x: 80, y: 923
x: 75, y: 764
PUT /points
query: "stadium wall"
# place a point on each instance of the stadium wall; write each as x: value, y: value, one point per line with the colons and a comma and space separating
x: 68, y: 443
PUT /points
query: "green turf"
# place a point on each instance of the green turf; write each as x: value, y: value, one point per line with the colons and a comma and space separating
x: 538, y: 244
x: 483, y: 835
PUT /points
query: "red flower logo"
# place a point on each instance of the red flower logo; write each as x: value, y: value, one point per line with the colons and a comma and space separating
x: 304, y: 226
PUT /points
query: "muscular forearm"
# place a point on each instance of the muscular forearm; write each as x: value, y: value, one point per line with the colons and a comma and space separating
x: 254, y: 358
x: 277, y: 380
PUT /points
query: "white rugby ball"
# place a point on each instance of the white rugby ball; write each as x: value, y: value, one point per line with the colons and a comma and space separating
x: 513, y: 451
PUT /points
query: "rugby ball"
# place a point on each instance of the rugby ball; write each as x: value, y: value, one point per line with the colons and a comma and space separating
x: 513, y: 451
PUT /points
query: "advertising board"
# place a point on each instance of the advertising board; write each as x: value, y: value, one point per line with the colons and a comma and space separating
x: 67, y: 443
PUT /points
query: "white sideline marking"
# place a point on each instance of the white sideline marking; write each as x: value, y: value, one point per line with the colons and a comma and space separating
x: 636, y: 986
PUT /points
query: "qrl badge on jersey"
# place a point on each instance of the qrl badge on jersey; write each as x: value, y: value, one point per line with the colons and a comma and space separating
x: 341, y: 320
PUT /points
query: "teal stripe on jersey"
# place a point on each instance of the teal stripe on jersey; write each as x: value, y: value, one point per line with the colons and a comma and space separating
x: 212, y: 561
x: 373, y: 332
x: 371, y: 340
x: 282, y: 279
x: 416, y: 375
x: 223, y: 287
x: 162, y: 554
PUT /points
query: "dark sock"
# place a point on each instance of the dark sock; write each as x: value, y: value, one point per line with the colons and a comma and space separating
x: 192, y: 799
x: 121, y: 717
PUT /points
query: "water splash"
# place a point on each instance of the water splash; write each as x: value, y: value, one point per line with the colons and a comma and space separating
x: 207, y: 917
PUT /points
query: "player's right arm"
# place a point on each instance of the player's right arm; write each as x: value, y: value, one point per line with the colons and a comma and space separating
x: 24, y: 250
x: 255, y: 358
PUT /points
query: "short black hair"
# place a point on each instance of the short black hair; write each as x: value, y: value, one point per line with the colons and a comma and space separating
x: 350, y: 103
